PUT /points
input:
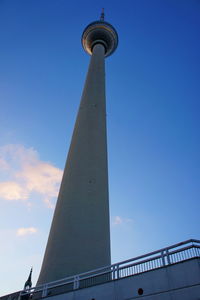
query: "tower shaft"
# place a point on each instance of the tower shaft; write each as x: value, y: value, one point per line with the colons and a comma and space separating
x: 79, y: 238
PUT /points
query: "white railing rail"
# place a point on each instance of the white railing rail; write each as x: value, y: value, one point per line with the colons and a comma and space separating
x: 150, y: 261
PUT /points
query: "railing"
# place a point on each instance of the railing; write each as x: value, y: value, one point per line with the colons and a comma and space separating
x: 171, y: 255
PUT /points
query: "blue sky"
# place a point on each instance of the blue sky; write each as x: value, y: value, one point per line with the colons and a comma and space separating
x: 152, y: 113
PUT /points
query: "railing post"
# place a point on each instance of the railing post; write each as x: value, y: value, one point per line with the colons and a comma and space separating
x: 163, y: 258
x: 76, y: 283
x: 19, y: 297
x: 117, y: 267
x: 168, y: 257
x: 114, y: 271
x: 44, y: 291
x: 196, y: 251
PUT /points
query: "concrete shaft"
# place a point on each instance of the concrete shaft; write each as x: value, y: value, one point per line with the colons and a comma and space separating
x: 79, y: 238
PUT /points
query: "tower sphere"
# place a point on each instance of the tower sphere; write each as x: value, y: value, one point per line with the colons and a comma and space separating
x: 100, y: 32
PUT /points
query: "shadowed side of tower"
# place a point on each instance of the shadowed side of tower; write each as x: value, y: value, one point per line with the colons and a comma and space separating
x: 79, y: 238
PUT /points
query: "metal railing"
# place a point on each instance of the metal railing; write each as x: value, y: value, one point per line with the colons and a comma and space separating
x: 170, y: 255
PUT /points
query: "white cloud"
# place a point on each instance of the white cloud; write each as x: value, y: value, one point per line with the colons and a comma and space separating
x: 26, y: 231
x: 11, y: 190
x: 25, y: 174
x: 117, y: 220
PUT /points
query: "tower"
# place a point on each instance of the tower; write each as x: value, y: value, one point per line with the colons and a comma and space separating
x: 79, y: 239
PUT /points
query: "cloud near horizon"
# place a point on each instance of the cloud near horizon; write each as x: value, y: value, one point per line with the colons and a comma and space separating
x: 23, y: 173
x: 117, y: 220
x: 26, y: 231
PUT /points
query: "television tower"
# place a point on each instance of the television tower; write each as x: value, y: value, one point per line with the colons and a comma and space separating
x: 79, y: 239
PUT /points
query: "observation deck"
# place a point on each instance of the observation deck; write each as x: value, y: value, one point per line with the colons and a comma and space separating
x: 100, y: 32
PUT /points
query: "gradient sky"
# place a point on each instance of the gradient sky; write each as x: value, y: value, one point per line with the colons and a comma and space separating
x: 153, y: 95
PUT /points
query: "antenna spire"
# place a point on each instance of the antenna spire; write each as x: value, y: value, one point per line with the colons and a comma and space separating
x: 102, y: 15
